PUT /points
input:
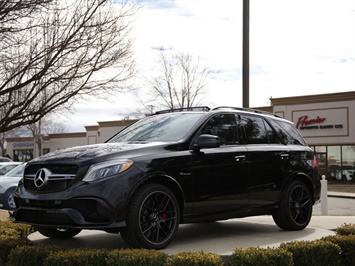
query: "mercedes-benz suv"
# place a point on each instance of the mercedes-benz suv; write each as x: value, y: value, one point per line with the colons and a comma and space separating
x: 174, y: 167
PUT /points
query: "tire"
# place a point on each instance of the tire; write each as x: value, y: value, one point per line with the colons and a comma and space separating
x: 58, y: 233
x: 9, y: 202
x: 295, y: 207
x: 152, y: 219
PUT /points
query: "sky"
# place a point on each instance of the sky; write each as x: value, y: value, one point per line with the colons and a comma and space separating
x: 297, y: 47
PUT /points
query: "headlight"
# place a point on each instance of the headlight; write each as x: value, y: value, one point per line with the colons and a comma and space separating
x: 106, y: 169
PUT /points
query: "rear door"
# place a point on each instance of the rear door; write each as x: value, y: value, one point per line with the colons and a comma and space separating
x: 268, y: 160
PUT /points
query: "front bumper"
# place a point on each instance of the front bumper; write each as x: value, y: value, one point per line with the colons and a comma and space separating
x: 83, y: 213
x: 83, y: 205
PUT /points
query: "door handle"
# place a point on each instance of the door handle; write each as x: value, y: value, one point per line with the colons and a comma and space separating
x: 284, y: 156
x: 239, y: 158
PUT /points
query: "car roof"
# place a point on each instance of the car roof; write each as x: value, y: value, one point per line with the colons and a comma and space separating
x: 206, y: 109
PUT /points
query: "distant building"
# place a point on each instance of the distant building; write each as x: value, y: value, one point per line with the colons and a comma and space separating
x: 24, y: 149
x: 326, y: 121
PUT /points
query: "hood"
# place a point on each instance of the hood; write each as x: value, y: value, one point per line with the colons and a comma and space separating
x: 92, y: 151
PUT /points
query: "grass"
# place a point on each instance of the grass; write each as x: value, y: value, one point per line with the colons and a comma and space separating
x: 348, y: 187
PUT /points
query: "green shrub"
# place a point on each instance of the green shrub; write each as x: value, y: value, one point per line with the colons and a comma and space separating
x: 9, y: 242
x: 30, y: 255
x: 21, y: 230
x: 200, y: 258
x: 346, y: 229
x: 9, y: 232
x: 77, y: 257
x: 133, y: 257
x: 347, y: 246
x: 255, y: 256
x: 309, y: 253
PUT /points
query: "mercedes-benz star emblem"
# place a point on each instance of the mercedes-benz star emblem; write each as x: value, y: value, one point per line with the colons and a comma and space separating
x: 41, y: 177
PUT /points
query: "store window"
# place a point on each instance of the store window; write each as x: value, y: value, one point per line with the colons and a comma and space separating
x: 334, y: 162
x: 337, y: 163
x: 348, y: 162
x: 23, y: 155
x: 321, y: 153
x: 321, y: 149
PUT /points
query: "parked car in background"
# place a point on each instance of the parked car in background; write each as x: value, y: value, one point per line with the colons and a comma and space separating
x: 341, y: 172
x: 348, y: 173
x: 7, y: 166
x: 5, y: 159
x: 8, y: 184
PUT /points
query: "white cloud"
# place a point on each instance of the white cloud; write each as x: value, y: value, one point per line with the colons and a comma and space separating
x: 297, y: 47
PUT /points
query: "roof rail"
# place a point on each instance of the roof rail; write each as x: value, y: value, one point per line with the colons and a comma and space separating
x: 197, y: 108
x: 245, y: 109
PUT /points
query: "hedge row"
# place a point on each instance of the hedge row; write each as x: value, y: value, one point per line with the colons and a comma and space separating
x: 16, y: 250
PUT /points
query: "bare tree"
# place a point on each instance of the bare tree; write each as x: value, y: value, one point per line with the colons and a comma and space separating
x: 14, y: 133
x: 181, y: 79
x: 45, y: 126
x: 52, y: 127
x: 54, y: 53
x: 12, y: 11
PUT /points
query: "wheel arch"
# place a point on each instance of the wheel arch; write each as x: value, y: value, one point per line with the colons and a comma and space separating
x: 299, y: 176
x: 13, y: 188
x: 165, y: 180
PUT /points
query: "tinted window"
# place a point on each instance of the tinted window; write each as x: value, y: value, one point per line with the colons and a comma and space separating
x: 287, y: 132
x: 169, y: 127
x: 272, y: 135
x: 224, y: 126
x: 254, y: 129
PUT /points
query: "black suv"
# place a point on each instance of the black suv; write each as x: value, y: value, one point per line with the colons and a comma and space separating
x: 170, y: 168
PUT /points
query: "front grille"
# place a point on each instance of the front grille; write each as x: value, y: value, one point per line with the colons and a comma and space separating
x: 49, y: 178
x: 52, y: 217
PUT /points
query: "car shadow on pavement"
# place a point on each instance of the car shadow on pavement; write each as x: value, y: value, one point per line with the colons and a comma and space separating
x: 218, y: 237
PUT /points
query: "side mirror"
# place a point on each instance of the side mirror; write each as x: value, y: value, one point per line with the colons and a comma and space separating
x: 206, y: 141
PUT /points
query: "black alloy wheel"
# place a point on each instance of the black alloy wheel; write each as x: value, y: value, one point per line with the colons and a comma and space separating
x: 295, y: 208
x: 153, y: 218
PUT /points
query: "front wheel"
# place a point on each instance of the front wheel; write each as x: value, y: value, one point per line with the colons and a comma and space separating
x: 58, y: 233
x: 9, y: 202
x: 153, y: 218
x: 295, y: 207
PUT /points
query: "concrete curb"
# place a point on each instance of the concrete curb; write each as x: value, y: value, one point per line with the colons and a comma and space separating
x: 341, y: 195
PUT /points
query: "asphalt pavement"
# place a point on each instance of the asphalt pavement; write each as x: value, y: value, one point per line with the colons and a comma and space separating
x: 223, y: 236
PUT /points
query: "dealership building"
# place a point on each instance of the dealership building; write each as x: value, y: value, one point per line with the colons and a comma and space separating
x: 326, y: 121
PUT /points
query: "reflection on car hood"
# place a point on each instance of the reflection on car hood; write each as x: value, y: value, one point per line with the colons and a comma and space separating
x: 92, y: 151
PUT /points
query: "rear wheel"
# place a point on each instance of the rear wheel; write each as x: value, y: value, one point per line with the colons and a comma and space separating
x: 58, y: 233
x: 153, y: 218
x: 295, y: 208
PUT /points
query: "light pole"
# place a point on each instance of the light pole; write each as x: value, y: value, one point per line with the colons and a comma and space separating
x: 245, y: 70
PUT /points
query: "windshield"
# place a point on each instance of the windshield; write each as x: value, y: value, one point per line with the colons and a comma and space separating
x: 166, y: 127
x: 17, y: 171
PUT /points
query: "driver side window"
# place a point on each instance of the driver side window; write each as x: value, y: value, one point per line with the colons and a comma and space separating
x: 224, y: 126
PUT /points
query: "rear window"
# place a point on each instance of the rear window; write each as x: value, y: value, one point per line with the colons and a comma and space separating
x: 287, y: 132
